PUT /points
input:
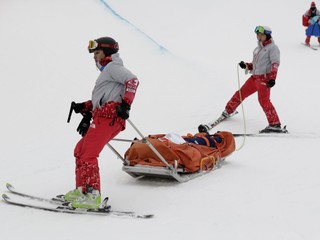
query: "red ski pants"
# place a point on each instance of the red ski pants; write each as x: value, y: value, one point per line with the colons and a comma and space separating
x: 88, y: 149
x: 252, y: 85
x: 309, y: 37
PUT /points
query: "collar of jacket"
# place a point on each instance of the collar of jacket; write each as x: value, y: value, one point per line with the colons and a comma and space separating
x: 103, y: 62
x: 265, y: 43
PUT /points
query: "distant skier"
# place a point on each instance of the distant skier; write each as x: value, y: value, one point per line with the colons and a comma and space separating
x: 112, y: 96
x: 311, y: 20
x: 264, y: 68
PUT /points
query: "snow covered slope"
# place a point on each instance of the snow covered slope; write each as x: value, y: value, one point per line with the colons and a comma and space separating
x: 185, y: 54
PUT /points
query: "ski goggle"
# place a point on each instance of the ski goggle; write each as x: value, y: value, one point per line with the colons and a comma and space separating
x: 93, y: 45
x: 260, y: 29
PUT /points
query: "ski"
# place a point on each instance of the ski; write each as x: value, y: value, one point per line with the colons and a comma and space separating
x: 309, y: 46
x: 272, y: 129
x: 56, y: 201
x: 65, y: 209
x: 267, y: 132
x: 260, y: 134
x: 207, y: 127
x: 277, y: 135
x: 61, y: 206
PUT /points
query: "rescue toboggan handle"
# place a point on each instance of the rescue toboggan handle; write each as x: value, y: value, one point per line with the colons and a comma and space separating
x: 151, y: 146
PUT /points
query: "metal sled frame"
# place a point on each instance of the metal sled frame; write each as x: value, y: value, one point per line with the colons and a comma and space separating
x: 169, y: 171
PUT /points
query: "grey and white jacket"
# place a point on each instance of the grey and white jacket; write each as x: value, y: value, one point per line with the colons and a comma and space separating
x: 111, y: 83
x: 266, y: 59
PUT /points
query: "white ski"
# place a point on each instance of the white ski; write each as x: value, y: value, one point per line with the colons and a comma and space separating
x: 207, y: 127
x: 309, y: 46
x: 62, y: 207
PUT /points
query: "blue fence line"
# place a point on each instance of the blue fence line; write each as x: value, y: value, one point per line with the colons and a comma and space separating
x: 129, y: 23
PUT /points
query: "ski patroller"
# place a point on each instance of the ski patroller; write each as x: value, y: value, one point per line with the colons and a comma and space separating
x: 60, y: 206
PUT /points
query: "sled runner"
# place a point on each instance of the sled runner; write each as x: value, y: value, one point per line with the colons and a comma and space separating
x: 175, y: 157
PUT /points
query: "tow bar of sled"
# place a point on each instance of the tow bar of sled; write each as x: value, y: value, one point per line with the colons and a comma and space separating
x: 169, y: 171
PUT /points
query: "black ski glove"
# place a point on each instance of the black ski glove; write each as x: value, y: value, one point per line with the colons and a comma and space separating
x: 84, y: 124
x: 243, y: 65
x: 271, y: 83
x: 123, y: 110
x: 78, y: 107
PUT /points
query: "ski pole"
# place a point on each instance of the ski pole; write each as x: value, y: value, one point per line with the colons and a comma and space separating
x: 116, y: 152
x: 70, y: 111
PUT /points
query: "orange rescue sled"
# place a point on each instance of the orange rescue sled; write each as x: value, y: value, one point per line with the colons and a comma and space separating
x: 158, y: 156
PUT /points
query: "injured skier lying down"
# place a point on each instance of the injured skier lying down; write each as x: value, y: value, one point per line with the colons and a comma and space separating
x: 192, y: 153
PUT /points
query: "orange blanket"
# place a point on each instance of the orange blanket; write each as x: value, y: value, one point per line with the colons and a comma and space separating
x: 189, y: 156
